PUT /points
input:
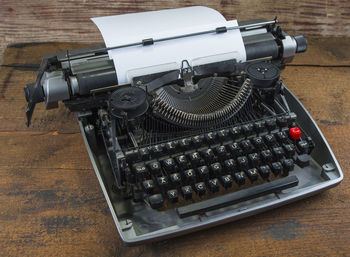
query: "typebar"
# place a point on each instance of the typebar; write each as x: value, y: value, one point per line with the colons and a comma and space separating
x: 236, y: 197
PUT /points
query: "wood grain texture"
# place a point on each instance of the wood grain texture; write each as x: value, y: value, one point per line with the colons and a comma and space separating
x: 69, y: 20
x: 52, y: 205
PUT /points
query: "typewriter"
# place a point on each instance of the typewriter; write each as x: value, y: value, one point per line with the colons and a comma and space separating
x: 186, y: 149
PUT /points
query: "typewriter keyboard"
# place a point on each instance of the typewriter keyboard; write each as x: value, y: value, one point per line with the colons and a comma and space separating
x: 197, y: 168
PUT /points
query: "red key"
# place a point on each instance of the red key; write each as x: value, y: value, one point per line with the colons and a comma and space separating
x: 295, y: 133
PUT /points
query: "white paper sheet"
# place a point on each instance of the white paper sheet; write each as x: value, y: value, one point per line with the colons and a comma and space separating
x: 168, y: 55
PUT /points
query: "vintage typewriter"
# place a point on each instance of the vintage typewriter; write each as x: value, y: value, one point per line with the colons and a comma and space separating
x: 190, y: 148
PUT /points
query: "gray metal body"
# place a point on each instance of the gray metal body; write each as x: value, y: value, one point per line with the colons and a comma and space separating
x: 138, y: 223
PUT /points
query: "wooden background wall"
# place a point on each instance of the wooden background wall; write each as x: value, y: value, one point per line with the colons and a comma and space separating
x: 68, y: 20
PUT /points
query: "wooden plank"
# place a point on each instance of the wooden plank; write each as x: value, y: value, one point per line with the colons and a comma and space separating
x: 325, y: 52
x: 51, y: 203
x: 69, y: 20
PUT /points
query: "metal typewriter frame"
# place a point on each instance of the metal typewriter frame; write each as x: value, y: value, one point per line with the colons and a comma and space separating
x: 80, y: 78
x: 312, y: 179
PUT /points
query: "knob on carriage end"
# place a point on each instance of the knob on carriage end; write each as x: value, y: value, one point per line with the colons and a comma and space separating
x: 130, y: 102
x: 263, y: 74
x: 301, y: 43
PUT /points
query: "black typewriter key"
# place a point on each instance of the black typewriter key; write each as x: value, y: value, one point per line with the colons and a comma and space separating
x: 270, y: 124
x: 175, y: 179
x: 195, y: 159
x: 264, y: 171
x: 236, y: 132
x: 281, y: 137
x: 154, y: 167
x: 291, y: 118
x: 247, y: 146
x: 288, y: 119
x: 276, y: 168
x: 254, y: 159
x: 200, y: 188
x: 169, y: 165
x: 252, y: 174
x: 281, y: 121
x: 172, y: 195
x: 285, y: 130
x: 148, y: 186
x: 289, y: 150
x: 208, y: 155
x: 156, y: 201
x: 185, y: 144
x: 226, y: 181
x: 158, y: 150
x: 266, y: 156
x: 288, y: 165
x: 303, y: 160
x: 198, y: 140
x: 229, y: 165
x: 258, y: 143
x: 303, y: 146
x: 140, y: 171
x: 203, y: 173
x: 235, y: 149
x: 216, y: 169
x: 214, y: 185
x: 210, y: 137
x: 186, y: 192
x: 190, y: 175
x: 239, y: 178
x: 163, y: 182
x: 278, y: 152
x: 259, y: 126
x: 242, y: 162
x: 221, y: 152
x: 223, y: 134
x: 248, y: 129
x: 311, y: 144
x: 181, y: 161
x: 171, y: 146
x: 270, y: 139
x: 144, y: 153
x: 132, y: 156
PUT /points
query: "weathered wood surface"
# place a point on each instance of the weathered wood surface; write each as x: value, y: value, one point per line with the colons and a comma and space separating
x: 51, y: 203
x: 69, y: 20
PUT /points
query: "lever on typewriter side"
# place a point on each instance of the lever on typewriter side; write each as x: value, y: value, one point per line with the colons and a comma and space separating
x: 33, y: 92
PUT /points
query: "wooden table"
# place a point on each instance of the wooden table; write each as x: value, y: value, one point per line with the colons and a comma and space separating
x: 51, y: 203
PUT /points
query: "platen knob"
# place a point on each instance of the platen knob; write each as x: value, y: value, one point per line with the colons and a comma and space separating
x: 301, y: 43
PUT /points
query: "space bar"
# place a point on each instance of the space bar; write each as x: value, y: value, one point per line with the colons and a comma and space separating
x: 237, y: 197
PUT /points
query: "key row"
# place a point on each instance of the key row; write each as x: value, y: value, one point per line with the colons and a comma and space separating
x: 211, y: 185
x: 228, y: 159
x: 210, y: 138
x: 205, y: 173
